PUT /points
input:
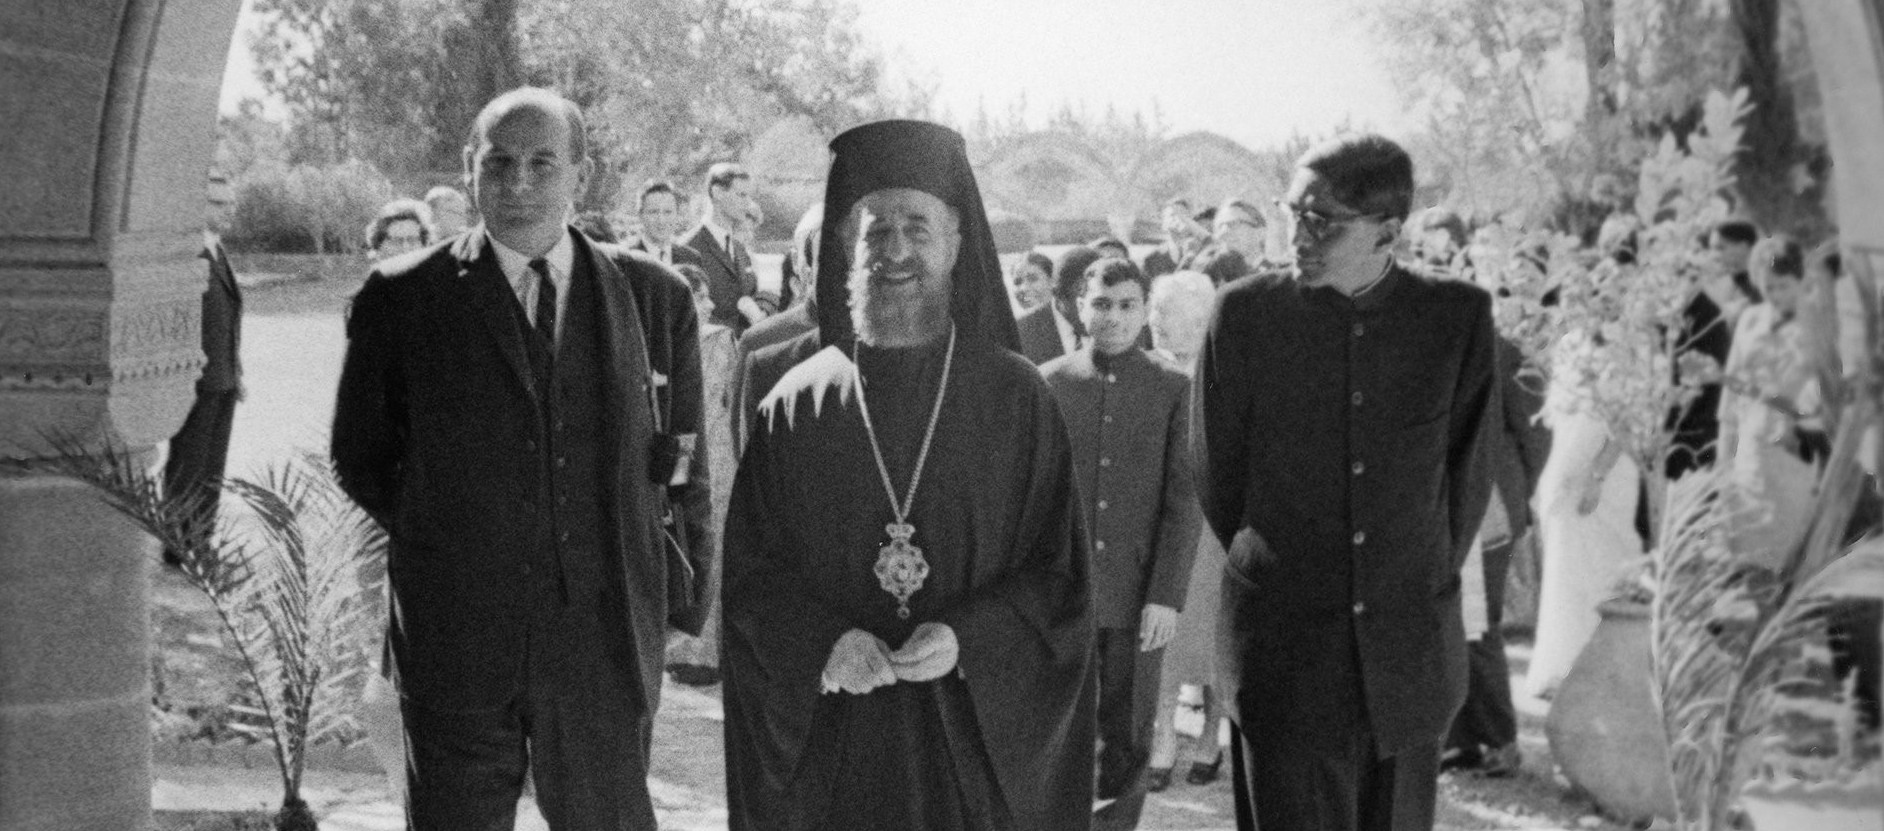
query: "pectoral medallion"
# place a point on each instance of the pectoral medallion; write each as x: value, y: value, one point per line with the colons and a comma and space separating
x: 901, y: 569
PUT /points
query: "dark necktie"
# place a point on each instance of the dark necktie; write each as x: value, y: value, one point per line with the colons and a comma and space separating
x: 545, y: 304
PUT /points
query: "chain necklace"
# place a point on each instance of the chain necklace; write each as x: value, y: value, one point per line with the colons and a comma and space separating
x: 900, y: 567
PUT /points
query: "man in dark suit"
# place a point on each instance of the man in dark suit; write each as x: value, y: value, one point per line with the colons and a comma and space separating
x: 1484, y: 736
x: 1345, y: 411
x: 737, y: 300
x: 1128, y: 416
x: 1184, y: 237
x: 658, y: 204
x: 199, y: 452
x: 494, y: 415
x: 1053, y: 329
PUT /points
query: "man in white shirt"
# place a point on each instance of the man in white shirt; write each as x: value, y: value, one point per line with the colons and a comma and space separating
x: 658, y: 205
x: 733, y: 285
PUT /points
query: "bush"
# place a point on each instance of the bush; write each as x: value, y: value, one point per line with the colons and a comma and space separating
x: 306, y: 209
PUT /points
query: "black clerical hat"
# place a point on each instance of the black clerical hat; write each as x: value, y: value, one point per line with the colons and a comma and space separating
x: 933, y: 159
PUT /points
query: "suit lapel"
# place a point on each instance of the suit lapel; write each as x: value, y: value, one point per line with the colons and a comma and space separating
x: 489, y: 293
x: 704, y: 241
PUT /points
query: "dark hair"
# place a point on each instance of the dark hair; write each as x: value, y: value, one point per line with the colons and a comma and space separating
x: 1440, y: 217
x: 1037, y: 260
x: 723, y: 174
x: 1737, y: 230
x: 1238, y: 203
x: 1108, y: 242
x: 399, y: 210
x: 548, y: 101
x: 654, y: 186
x: 1366, y: 172
x: 1827, y: 256
x: 441, y: 192
x: 1111, y: 271
x: 1069, y: 277
x: 1221, y: 263
x: 1205, y: 216
x: 1180, y: 203
x: 1779, y: 254
x: 595, y: 226
x: 696, y: 279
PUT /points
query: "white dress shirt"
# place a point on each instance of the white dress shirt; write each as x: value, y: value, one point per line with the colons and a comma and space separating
x: 523, y: 281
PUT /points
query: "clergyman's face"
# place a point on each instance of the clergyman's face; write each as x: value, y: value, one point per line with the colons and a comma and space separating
x: 524, y: 177
x: 660, y: 217
x: 1113, y: 314
x: 904, y: 243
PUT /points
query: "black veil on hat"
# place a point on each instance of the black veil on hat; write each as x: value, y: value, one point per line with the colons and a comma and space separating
x: 926, y: 157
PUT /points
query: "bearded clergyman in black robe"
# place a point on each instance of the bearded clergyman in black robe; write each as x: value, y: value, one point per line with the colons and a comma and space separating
x: 906, y: 596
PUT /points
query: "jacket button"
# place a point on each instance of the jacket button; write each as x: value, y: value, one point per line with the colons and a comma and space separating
x: 1359, y: 467
x: 1360, y: 609
x: 1099, y: 546
x: 562, y: 462
x: 562, y: 537
x: 1112, y: 379
x: 1106, y: 419
x: 1356, y: 398
x: 1360, y: 537
x: 1359, y: 330
x: 1102, y: 504
x: 530, y: 445
x: 1105, y: 461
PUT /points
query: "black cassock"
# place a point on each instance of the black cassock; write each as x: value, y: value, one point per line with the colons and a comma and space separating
x: 1004, y: 742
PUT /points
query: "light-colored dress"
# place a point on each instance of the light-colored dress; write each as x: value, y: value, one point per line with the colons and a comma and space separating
x: 1773, y: 485
x: 717, y: 353
x: 1582, y: 555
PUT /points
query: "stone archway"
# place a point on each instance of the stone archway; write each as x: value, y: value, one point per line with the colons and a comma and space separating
x: 109, y: 110
x: 109, y: 114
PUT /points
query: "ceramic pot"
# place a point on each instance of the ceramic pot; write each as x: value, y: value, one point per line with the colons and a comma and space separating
x: 1604, y: 729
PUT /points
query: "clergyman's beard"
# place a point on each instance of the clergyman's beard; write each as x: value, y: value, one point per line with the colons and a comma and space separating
x: 894, y: 315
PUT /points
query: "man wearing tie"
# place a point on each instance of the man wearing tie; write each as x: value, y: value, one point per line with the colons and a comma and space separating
x: 659, y: 207
x: 494, y: 415
x: 737, y: 300
x: 199, y: 451
x: 1053, y: 329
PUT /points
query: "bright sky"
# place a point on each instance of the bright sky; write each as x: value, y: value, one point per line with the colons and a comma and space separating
x: 1254, y: 70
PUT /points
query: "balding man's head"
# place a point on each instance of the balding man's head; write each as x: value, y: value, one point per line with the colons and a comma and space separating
x: 525, y: 167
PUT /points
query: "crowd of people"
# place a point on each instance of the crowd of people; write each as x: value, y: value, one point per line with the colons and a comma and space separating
x: 1139, y: 515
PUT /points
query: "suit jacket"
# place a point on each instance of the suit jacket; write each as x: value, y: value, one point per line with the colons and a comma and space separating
x: 222, y: 323
x: 436, y: 429
x: 681, y: 254
x: 1040, y: 335
x: 1521, y: 443
x: 761, y: 371
x: 1166, y: 258
x: 1129, y: 422
x: 776, y: 329
x: 729, y: 277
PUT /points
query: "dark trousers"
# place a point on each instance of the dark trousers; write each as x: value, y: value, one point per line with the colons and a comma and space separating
x: 1301, y: 786
x: 1488, y: 719
x: 199, y: 454
x: 1128, y: 701
x: 573, y: 726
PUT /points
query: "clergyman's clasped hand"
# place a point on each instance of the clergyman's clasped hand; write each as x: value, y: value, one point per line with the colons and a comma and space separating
x: 861, y: 662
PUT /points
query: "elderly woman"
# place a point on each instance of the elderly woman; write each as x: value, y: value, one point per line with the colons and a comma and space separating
x: 401, y: 225
x: 1189, y: 715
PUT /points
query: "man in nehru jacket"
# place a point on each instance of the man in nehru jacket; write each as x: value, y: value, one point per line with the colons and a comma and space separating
x: 1127, y: 413
x: 1345, y: 412
x: 495, y: 416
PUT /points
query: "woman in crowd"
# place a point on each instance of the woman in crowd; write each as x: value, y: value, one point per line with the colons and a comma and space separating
x: 1769, y: 407
x: 1586, y: 507
x: 696, y: 660
x: 1032, y: 281
x: 1180, y: 309
x: 401, y: 225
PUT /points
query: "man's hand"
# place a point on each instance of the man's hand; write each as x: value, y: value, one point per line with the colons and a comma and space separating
x: 751, y: 309
x: 929, y: 653
x: 859, y: 663
x: 1157, y: 625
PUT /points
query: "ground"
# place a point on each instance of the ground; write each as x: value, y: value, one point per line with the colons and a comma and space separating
x: 292, y: 344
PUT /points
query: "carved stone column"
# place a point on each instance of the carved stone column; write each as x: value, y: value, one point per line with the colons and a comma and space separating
x: 109, y: 107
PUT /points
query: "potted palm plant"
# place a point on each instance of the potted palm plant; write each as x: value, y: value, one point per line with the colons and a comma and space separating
x: 283, y: 576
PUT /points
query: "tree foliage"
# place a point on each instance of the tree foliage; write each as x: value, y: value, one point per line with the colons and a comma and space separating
x: 669, y: 86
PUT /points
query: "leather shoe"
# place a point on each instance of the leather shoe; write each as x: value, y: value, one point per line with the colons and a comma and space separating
x: 1204, y: 774
x: 1158, y: 779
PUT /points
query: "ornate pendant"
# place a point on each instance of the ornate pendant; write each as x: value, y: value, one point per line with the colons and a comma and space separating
x: 901, y: 569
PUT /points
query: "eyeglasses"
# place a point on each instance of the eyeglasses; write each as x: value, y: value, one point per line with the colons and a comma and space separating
x: 1316, y: 224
